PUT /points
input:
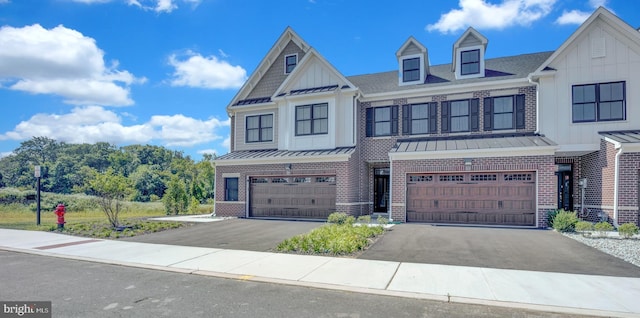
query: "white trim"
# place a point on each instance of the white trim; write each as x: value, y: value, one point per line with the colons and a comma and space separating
x: 422, y: 90
x: 480, y: 49
x: 231, y: 175
x: 261, y: 161
x: 232, y: 202
x: 578, y: 148
x: 421, y: 77
x: 475, y: 153
x: 353, y: 203
x: 398, y: 204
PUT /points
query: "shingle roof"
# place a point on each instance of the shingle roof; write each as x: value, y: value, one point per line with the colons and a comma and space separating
x: 472, y: 142
x: 623, y: 136
x: 275, y: 153
x: 511, y: 67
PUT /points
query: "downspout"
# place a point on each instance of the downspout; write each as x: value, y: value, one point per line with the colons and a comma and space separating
x: 391, y: 190
x: 616, y: 181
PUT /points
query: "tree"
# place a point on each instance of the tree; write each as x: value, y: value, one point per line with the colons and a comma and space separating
x: 111, y: 188
x: 175, y: 199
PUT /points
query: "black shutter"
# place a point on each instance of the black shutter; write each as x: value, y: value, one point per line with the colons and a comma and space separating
x: 394, y: 120
x: 406, y: 119
x: 433, y: 118
x: 369, y: 122
x: 488, y: 114
x: 520, y: 111
x: 444, y: 114
x: 474, y: 114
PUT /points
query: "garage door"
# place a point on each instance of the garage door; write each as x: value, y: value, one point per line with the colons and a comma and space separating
x: 311, y: 197
x: 472, y: 198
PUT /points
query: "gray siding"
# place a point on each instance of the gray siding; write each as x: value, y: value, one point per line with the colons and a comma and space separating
x: 275, y: 75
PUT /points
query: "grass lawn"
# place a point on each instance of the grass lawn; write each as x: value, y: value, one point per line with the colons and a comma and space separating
x: 93, y: 222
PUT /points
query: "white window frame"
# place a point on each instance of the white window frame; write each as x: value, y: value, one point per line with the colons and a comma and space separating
x: 459, y: 51
x: 285, y: 62
x: 421, y: 79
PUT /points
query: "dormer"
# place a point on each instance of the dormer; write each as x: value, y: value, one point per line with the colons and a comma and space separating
x: 468, y: 55
x: 413, y: 62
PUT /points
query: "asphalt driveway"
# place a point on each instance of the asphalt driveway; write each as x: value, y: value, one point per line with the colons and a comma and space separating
x: 506, y: 248
x: 236, y: 234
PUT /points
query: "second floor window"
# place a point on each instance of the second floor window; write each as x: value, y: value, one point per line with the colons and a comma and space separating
x: 259, y: 128
x: 470, y: 62
x: 419, y: 119
x: 460, y: 115
x: 312, y: 119
x: 504, y: 112
x: 411, y: 70
x: 598, y: 102
x: 382, y: 121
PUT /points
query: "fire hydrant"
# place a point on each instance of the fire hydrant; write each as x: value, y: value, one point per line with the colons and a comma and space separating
x: 60, y: 213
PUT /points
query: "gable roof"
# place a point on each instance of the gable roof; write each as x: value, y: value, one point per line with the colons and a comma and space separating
x: 410, y: 41
x: 504, y: 68
x: 600, y: 14
x: 312, y: 56
x: 470, y: 32
x: 271, y: 57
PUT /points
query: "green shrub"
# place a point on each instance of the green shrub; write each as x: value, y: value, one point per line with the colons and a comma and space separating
x: 565, y: 221
x: 340, y: 218
x: 551, y: 215
x: 331, y: 239
x: 627, y: 230
x: 366, y: 219
x: 382, y: 220
x: 602, y: 228
x: 584, y: 226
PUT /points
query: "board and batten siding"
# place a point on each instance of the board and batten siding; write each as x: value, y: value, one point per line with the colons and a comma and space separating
x: 586, y: 61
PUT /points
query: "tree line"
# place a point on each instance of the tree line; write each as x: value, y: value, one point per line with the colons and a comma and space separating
x: 143, y: 172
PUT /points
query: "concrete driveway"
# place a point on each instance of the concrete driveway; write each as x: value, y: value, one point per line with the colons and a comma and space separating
x: 523, y: 249
x: 236, y: 234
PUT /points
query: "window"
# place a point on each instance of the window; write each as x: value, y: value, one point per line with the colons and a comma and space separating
x: 599, y: 102
x: 312, y: 119
x: 504, y: 112
x: 460, y: 116
x: 470, y: 62
x: 382, y: 121
x: 420, y: 119
x: 231, y: 189
x: 259, y: 128
x: 290, y: 62
x: 411, y: 69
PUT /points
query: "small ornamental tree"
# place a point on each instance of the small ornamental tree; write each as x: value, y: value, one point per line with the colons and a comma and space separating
x: 111, y: 189
x: 175, y: 198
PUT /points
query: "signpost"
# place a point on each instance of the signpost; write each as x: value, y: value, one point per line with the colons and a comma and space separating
x: 37, y: 175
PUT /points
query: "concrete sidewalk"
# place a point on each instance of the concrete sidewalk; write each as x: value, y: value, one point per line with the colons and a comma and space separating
x: 555, y: 292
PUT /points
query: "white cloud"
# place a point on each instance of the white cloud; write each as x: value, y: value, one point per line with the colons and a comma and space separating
x: 227, y: 143
x: 94, y: 124
x: 577, y: 16
x: 179, y: 130
x: 63, y: 62
x: 483, y: 15
x: 161, y: 6
x: 91, y: 1
x: 205, y: 72
x: 4, y: 2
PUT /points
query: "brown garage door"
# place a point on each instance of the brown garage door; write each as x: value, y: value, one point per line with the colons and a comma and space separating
x: 472, y: 198
x: 311, y: 197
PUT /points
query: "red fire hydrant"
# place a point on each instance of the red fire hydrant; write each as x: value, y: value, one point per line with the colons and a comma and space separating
x: 60, y: 213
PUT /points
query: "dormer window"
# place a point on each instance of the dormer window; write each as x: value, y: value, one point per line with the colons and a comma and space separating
x: 411, y: 70
x: 470, y: 62
x: 290, y: 62
x: 413, y: 63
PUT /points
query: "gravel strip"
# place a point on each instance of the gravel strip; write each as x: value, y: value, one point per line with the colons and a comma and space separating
x: 626, y: 249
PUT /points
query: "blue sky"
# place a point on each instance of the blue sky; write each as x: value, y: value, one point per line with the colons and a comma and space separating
x: 162, y: 71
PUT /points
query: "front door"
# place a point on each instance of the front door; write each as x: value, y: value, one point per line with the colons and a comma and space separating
x: 565, y: 190
x: 381, y: 190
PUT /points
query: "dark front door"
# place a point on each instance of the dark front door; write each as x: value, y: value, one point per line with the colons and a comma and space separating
x: 381, y: 190
x: 565, y: 190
